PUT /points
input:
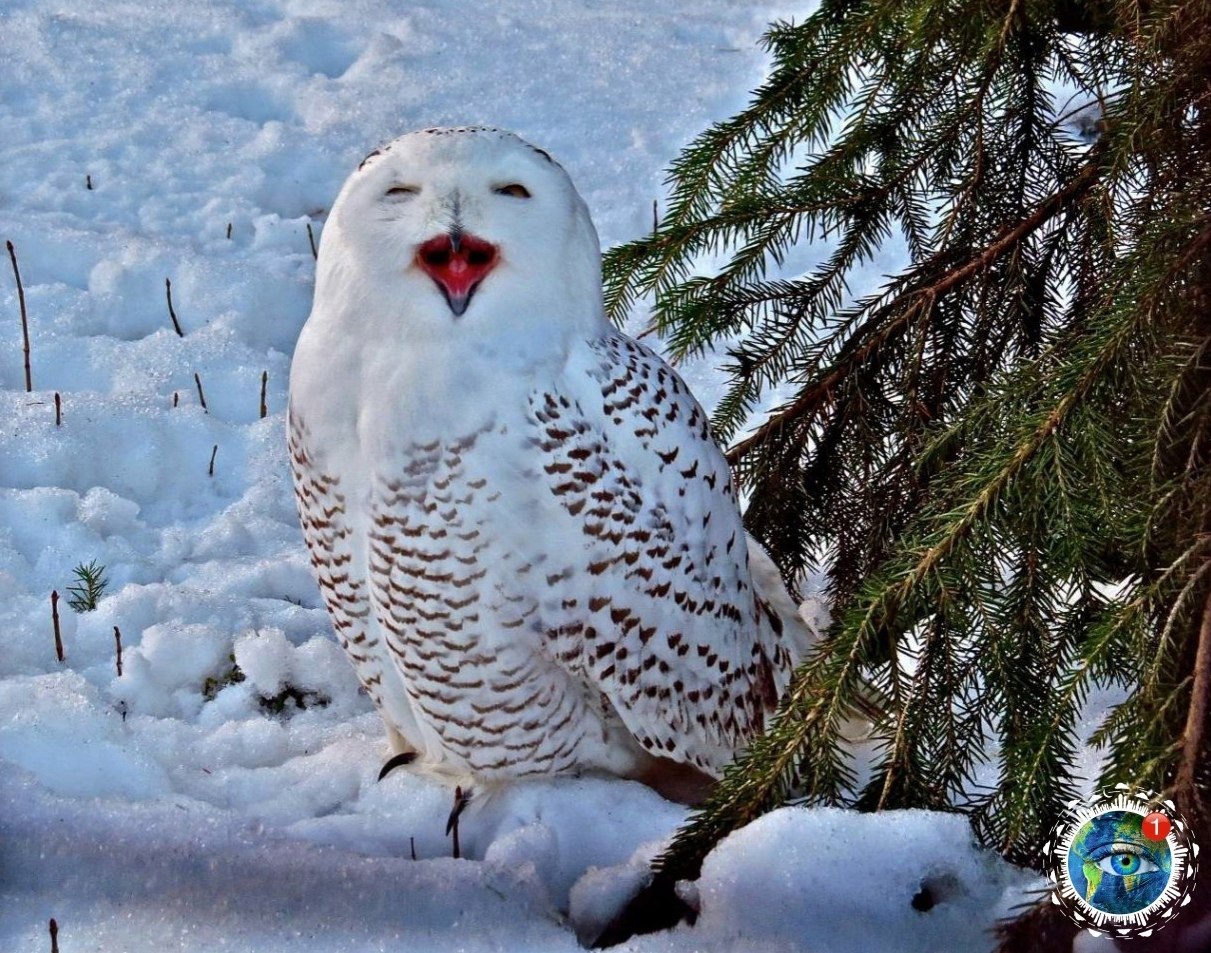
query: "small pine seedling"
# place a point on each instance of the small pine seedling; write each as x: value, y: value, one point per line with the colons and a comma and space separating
x: 89, y: 588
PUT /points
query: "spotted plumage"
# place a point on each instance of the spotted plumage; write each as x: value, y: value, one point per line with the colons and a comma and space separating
x: 528, y: 543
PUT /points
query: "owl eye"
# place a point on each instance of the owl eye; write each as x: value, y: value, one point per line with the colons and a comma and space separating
x: 515, y: 189
x: 398, y: 191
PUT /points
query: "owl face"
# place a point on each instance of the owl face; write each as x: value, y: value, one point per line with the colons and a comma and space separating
x: 458, y: 228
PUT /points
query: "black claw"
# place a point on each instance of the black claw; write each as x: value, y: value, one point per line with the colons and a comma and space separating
x: 397, y: 761
x: 461, y: 800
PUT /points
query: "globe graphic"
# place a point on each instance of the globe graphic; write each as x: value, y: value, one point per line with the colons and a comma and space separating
x: 1114, y: 867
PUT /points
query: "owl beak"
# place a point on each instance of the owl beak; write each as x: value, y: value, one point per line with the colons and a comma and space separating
x: 457, y: 262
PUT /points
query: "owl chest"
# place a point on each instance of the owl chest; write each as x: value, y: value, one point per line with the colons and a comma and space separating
x: 457, y: 569
x: 433, y: 537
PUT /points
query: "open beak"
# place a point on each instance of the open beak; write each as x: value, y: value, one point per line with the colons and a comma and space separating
x: 457, y: 262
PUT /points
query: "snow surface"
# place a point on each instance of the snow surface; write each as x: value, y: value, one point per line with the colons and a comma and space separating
x: 173, y: 808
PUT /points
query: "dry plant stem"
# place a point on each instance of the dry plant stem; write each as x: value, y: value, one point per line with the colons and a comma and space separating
x: 12, y: 255
x: 118, y: 650
x: 201, y: 396
x: 58, y: 410
x: 311, y: 239
x: 54, y: 936
x: 229, y: 229
x: 175, y: 398
x: 176, y: 325
x: 264, y: 385
x: 88, y: 182
x: 54, y: 618
x: 213, y: 452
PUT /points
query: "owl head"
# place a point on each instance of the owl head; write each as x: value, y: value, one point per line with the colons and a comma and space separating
x: 450, y: 232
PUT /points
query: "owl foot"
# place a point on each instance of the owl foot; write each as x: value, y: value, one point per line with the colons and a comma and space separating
x: 396, y: 761
x: 461, y: 800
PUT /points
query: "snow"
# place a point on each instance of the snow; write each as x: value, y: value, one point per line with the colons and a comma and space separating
x: 181, y: 807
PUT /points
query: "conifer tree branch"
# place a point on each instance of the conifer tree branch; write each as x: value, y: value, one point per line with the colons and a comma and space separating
x: 911, y: 301
x: 1194, y: 747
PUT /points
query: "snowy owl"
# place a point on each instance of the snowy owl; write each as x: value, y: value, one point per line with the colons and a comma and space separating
x: 526, y: 538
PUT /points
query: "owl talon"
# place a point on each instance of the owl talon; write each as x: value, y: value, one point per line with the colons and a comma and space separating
x: 396, y: 761
x: 461, y: 800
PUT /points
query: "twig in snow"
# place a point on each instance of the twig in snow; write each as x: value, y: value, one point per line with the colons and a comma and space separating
x: 12, y: 254
x: 54, y: 936
x: 54, y: 618
x: 264, y: 384
x: 229, y: 229
x: 88, y: 182
x: 175, y: 398
x: 58, y: 410
x: 171, y: 312
x: 412, y: 845
x: 202, y: 397
x: 213, y: 452
x: 311, y: 239
x: 118, y: 650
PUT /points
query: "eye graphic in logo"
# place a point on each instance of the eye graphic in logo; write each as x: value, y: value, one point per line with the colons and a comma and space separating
x: 1123, y: 864
x: 1114, y: 867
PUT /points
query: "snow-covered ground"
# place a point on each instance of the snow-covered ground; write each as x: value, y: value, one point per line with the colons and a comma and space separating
x: 173, y: 808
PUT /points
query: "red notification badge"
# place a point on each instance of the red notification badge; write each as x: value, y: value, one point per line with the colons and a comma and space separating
x: 1156, y: 826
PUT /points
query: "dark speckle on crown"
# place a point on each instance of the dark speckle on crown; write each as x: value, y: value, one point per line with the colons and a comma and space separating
x: 458, y: 131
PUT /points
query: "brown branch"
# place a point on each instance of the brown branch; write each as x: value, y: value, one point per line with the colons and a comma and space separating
x: 808, y: 403
x: 264, y: 385
x: 1194, y: 738
x: 12, y: 254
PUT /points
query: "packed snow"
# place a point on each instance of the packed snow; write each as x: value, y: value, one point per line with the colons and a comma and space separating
x: 221, y: 792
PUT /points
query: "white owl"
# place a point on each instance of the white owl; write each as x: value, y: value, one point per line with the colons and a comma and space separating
x: 528, y: 543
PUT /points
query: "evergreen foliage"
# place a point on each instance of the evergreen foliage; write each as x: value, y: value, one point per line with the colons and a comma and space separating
x: 90, y: 586
x: 1002, y: 456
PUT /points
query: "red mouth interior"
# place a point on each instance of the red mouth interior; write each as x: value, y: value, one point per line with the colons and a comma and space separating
x: 457, y: 265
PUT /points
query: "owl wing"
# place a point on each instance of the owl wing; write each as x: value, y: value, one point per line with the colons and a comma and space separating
x: 659, y: 612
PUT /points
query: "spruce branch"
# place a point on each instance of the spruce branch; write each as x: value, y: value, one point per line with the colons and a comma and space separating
x: 912, y: 302
x: 1002, y: 454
